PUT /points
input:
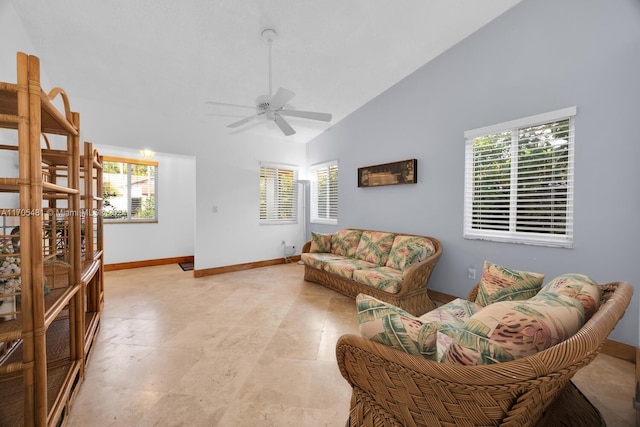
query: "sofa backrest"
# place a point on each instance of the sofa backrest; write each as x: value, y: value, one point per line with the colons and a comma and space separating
x: 383, y: 248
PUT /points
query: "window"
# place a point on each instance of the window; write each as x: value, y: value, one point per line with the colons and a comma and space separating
x: 324, y: 193
x: 129, y: 190
x: 278, y: 194
x: 519, y: 180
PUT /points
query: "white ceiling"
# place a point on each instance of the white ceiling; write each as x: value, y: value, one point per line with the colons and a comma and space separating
x: 173, y: 56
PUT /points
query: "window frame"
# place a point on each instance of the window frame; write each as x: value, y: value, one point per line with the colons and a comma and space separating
x: 129, y: 162
x: 512, y: 235
x: 314, y: 217
x: 272, y: 214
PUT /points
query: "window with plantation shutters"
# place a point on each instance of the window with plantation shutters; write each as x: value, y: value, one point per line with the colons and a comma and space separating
x: 278, y: 194
x: 324, y: 193
x: 519, y: 180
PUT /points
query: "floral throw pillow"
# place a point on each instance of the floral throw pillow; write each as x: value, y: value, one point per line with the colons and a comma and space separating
x: 375, y: 246
x: 320, y: 243
x: 345, y: 242
x: 389, y: 325
x: 407, y: 250
x: 500, y: 283
x: 579, y: 287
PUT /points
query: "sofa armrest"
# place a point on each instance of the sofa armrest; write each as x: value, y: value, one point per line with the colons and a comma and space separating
x: 416, y: 275
x: 306, y: 247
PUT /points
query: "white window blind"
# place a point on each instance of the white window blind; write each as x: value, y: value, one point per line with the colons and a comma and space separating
x: 129, y: 190
x: 324, y: 193
x: 519, y: 181
x: 278, y: 194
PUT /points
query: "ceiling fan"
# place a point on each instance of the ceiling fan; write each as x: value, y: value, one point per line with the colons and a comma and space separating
x: 272, y: 106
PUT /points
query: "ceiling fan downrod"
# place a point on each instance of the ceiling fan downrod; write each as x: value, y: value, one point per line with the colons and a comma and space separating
x: 269, y: 36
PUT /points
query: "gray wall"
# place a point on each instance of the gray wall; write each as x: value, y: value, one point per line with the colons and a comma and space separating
x: 540, y: 56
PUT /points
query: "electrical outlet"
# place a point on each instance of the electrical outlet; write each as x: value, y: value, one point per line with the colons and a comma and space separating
x: 471, y: 273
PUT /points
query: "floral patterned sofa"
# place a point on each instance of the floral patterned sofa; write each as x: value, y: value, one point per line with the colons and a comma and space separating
x: 392, y: 267
x: 503, y: 356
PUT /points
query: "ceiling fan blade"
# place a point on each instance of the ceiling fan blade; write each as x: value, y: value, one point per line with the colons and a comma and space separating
x: 226, y: 104
x: 323, y: 117
x: 281, y: 97
x: 283, y: 125
x: 245, y: 120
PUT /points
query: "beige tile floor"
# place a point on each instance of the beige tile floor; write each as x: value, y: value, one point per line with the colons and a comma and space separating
x: 251, y: 348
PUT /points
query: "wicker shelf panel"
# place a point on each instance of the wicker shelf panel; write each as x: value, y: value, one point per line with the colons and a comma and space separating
x: 59, y: 365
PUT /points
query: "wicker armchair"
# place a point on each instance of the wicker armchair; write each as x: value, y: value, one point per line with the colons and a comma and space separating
x: 393, y: 388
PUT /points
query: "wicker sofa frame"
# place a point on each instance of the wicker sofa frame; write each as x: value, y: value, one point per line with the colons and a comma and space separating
x: 413, y: 295
x: 393, y: 388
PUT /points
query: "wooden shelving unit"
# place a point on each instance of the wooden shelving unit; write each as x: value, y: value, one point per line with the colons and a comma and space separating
x: 92, y: 243
x: 54, y: 234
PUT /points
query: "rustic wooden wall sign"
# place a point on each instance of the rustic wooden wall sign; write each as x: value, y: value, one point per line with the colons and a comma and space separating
x: 403, y: 172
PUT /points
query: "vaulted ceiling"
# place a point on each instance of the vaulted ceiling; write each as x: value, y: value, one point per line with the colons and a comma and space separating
x: 173, y: 56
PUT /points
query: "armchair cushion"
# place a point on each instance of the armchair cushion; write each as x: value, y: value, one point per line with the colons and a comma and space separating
x: 500, y: 283
x: 509, y: 330
x: 389, y: 325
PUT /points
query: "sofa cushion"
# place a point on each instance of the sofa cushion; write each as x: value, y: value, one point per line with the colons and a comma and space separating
x: 407, y: 250
x: 345, y: 242
x: 509, y: 330
x: 375, y: 246
x: 320, y: 243
x: 319, y: 260
x: 383, y: 278
x: 346, y: 267
x: 580, y: 287
x: 500, y: 283
x: 389, y: 325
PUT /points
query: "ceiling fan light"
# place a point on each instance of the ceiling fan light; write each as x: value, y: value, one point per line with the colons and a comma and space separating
x: 147, y: 154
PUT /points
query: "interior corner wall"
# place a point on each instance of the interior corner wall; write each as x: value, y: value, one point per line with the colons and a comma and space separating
x: 172, y: 235
x: 539, y: 56
x: 227, y: 203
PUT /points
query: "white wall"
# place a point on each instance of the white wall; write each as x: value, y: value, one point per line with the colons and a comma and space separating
x: 228, y: 177
x: 226, y: 168
x: 172, y: 235
x: 14, y: 39
x: 540, y: 56
x: 10, y: 29
x: 108, y: 127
